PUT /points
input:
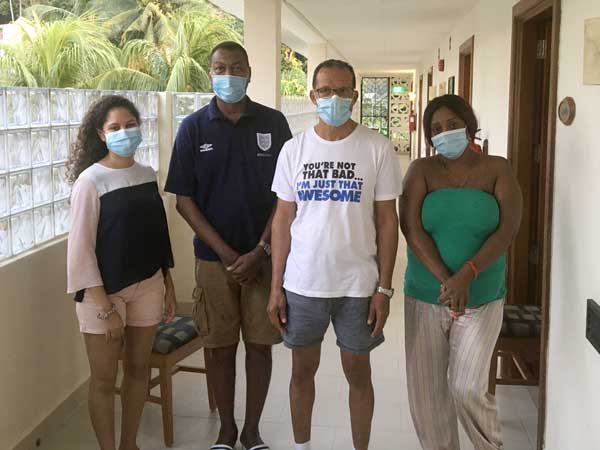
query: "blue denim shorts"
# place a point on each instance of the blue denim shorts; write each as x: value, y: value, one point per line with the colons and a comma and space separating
x: 308, y: 319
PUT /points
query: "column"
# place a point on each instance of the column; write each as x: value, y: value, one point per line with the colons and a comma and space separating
x: 262, y: 40
x: 317, y: 53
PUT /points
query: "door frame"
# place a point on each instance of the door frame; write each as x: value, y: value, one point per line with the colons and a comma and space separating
x: 466, y: 49
x: 523, y: 12
x: 420, y: 117
x: 427, y: 100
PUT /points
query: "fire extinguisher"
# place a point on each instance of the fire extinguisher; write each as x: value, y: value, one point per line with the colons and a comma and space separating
x: 412, y: 122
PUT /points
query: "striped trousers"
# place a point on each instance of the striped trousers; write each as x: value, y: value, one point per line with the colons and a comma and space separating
x: 447, y: 369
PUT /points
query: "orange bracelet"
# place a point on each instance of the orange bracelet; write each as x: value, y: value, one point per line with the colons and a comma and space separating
x: 473, y: 268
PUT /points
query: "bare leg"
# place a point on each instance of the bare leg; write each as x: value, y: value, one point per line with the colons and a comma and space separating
x: 138, y: 345
x: 259, y: 364
x: 305, y: 362
x: 103, y: 357
x: 357, y: 368
x: 221, y: 366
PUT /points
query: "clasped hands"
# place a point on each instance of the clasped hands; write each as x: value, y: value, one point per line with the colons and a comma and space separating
x: 454, y: 292
x: 245, y: 268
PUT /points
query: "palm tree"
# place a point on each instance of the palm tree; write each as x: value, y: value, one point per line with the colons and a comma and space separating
x: 65, y: 53
x: 145, y: 19
x: 102, y: 9
x: 177, y: 62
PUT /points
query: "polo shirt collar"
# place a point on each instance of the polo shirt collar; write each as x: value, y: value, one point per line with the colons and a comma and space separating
x: 214, y: 113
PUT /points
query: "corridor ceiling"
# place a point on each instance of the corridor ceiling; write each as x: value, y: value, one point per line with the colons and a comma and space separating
x: 374, y: 35
x: 384, y: 35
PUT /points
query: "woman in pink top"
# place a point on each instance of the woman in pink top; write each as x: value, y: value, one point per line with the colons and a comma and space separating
x: 118, y: 262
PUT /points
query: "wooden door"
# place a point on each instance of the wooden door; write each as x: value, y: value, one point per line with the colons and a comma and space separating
x: 531, y: 142
x: 465, y: 69
x: 526, y: 287
x: 429, y: 89
x: 420, y: 117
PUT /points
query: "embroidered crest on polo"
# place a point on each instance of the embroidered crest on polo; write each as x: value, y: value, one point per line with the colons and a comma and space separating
x: 206, y: 148
x: 264, y: 141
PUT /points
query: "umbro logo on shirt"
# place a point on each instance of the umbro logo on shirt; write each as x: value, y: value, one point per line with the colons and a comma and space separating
x: 206, y: 148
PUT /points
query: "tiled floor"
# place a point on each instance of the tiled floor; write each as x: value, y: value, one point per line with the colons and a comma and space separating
x: 196, y: 427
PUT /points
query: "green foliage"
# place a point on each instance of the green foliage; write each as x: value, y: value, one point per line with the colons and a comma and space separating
x: 177, y: 61
x: 293, y: 74
x: 158, y: 45
x: 64, y: 53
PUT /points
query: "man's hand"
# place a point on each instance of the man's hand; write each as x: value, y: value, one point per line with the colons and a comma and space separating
x: 246, y: 268
x: 229, y: 258
x: 378, y: 313
x: 455, y: 292
x: 277, y: 309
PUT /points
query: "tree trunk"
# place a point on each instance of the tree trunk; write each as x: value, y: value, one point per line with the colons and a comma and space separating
x: 12, y: 11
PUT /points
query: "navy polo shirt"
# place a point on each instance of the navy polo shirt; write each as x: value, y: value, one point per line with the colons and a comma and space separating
x: 228, y: 169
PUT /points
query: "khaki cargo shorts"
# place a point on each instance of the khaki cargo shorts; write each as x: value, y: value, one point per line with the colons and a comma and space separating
x: 222, y: 307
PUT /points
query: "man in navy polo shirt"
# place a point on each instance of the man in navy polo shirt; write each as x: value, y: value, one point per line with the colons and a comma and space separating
x: 221, y: 170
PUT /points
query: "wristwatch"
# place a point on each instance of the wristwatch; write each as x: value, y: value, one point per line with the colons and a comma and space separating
x: 387, y: 292
x: 266, y: 247
x: 106, y: 315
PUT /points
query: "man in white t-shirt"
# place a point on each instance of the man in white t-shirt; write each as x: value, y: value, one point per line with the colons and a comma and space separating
x: 334, y: 243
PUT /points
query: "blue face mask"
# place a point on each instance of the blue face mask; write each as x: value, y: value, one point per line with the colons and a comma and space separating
x: 228, y: 88
x: 334, y: 111
x: 124, y: 142
x: 451, y: 144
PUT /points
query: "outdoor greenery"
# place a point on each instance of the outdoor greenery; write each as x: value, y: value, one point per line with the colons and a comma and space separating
x: 154, y: 45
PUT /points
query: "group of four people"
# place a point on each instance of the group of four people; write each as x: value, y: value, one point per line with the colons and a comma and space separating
x: 292, y: 233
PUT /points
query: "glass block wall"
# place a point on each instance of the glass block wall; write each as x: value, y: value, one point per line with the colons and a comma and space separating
x: 36, y: 129
x: 299, y: 111
x: 185, y: 104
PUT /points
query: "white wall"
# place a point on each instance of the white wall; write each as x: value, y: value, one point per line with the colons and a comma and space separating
x: 491, y: 23
x: 573, y: 421
x: 43, y: 358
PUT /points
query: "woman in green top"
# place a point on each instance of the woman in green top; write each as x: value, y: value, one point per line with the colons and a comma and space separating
x: 460, y: 211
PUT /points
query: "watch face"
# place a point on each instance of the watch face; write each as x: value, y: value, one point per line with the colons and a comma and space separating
x: 388, y: 292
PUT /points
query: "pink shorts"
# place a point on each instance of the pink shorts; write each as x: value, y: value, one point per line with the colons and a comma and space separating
x: 139, y: 305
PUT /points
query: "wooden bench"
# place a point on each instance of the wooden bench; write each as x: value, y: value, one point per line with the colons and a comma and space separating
x: 173, y: 343
x: 518, y: 347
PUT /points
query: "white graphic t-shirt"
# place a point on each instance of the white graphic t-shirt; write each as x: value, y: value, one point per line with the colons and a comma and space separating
x: 334, y: 185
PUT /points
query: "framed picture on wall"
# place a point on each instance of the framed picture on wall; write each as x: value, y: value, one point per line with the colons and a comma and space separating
x: 591, y: 62
x: 451, y: 85
x: 442, y: 89
x: 432, y: 92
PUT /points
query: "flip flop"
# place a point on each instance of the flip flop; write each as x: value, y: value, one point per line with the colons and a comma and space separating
x: 221, y: 447
x: 257, y: 447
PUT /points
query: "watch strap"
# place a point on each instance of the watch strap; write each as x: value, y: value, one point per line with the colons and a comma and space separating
x: 387, y: 292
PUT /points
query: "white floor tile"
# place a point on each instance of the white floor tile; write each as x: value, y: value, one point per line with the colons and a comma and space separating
x: 196, y: 427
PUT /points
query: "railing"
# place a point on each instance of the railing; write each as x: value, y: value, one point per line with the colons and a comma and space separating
x: 300, y: 113
x: 37, y: 127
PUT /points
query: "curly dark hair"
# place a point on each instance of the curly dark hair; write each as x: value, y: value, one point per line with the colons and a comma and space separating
x: 89, y: 148
x: 458, y: 106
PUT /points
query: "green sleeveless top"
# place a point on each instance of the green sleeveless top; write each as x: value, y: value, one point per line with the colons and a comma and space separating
x: 459, y: 221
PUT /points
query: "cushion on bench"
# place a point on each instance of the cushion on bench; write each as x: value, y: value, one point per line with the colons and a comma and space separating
x: 170, y: 336
x: 523, y: 321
